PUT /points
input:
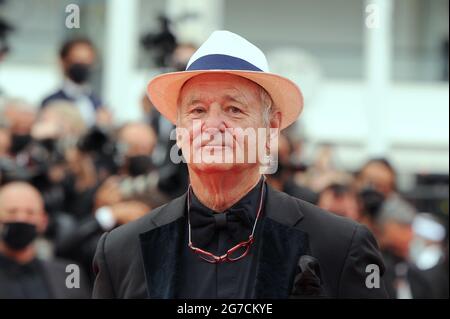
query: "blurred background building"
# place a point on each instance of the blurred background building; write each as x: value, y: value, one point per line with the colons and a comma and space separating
x: 380, y: 90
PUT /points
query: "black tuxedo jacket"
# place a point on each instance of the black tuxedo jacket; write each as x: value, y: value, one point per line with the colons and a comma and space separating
x: 140, y: 259
x: 54, y: 275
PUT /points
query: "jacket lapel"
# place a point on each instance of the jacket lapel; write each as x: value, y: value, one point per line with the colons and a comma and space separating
x: 281, y: 247
x: 279, y: 250
x: 160, y: 246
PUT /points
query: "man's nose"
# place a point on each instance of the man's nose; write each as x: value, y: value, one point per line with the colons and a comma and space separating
x: 214, y: 119
x: 20, y: 216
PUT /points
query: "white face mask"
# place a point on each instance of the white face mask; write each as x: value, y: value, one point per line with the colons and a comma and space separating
x: 416, y: 247
x: 425, y: 255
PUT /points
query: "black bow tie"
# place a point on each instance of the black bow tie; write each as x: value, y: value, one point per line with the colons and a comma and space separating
x: 237, y: 221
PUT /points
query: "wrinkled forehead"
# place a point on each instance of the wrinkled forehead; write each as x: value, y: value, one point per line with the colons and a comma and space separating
x: 377, y: 171
x: 20, y: 197
x: 218, y: 83
x: 81, y: 53
x: 136, y: 133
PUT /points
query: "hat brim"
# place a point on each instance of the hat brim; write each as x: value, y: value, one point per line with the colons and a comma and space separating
x: 163, y: 91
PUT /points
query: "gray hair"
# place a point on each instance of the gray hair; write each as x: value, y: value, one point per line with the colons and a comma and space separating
x: 396, y: 209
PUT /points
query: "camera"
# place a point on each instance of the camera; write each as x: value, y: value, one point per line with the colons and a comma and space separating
x: 98, y: 143
x: 32, y: 164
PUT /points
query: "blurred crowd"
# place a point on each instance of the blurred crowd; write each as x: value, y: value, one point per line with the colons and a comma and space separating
x: 68, y: 174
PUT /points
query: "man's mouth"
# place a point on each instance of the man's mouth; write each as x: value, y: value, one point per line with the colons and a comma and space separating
x: 216, y: 146
x: 216, y: 143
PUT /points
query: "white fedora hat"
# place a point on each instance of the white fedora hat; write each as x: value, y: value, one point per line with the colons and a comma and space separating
x: 226, y: 52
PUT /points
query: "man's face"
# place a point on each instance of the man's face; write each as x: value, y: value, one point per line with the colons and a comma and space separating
x: 20, y: 120
x: 139, y: 139
x: 5, y: 142
x: 81, y: 53
x: 215, y: 109
x: 22, y: 203
x: 78, y: 63
x: 378, y: 176
x: 396, y: 237
x: 137, y: 142
x: 343, y: 205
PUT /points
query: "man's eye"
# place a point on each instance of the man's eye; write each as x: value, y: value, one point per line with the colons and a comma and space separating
x: 234, y: 110
x: 198, y: 110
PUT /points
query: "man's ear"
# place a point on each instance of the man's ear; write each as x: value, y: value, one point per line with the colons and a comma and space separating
x: 275, y: 120
x: 42, y: 223
x: 274, y: 130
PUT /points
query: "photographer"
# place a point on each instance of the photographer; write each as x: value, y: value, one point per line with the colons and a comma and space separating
x: 283, y: 179
x: 121, y: 198
x: 136, y: 178
x: 341, y: 200
x: 19, y: 117
x: 55, y: 133
x: 394, y: 233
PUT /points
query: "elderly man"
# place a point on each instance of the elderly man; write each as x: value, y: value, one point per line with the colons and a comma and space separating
x: 19, y: 116
x: 22, y: 274
x: 393, y: 228
x: 231, y: 235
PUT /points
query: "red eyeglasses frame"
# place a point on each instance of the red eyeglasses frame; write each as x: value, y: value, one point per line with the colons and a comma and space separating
x: 213, y: 259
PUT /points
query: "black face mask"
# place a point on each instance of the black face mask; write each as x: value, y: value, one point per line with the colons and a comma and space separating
x: 79, y: 73
x: 19, y: 142
x: 18, y: 235
x: 49, y: 144
x: 139, y: 165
